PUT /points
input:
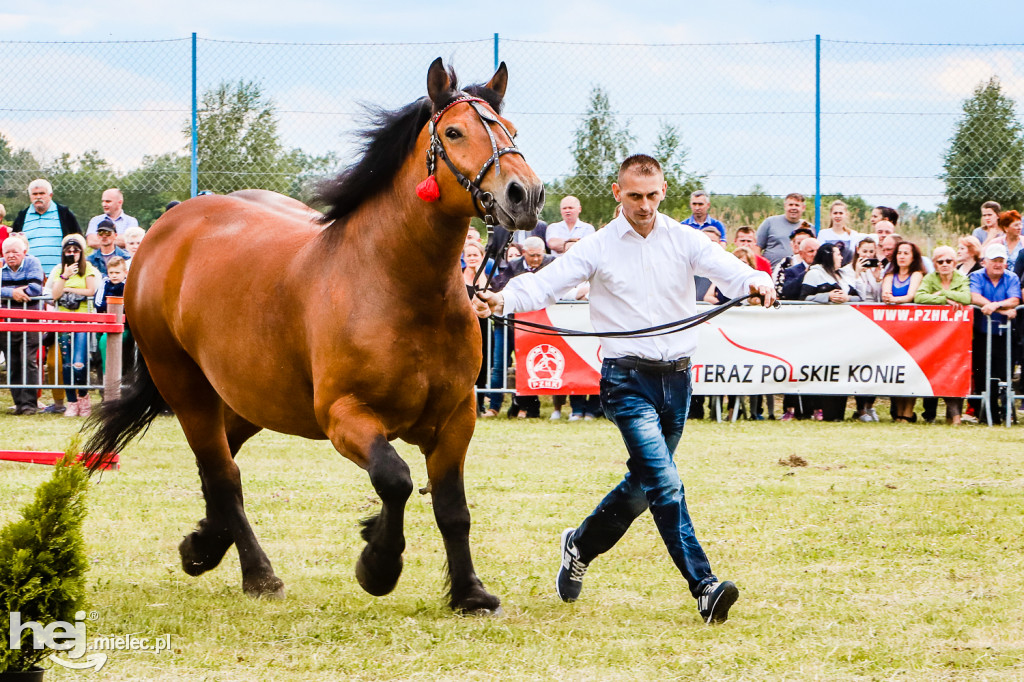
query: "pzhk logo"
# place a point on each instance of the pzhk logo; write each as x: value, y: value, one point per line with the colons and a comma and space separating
x: 545, y: 364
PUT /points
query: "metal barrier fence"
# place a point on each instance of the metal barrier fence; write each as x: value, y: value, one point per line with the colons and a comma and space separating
x: 755, y: 120
x: 500, y: 371
x: 56, y: 350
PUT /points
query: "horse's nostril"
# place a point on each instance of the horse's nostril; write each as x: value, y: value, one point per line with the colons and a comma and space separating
x: 515, y: 193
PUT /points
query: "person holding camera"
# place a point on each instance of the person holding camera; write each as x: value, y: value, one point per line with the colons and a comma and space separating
x: 866, y: 271
x: 72, y: 284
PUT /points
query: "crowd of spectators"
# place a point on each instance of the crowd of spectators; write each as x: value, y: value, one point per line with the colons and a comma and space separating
x: 49, y: 263
x: 835, y: 265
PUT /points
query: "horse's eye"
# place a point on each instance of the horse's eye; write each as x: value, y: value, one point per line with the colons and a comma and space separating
x: 452, y: 133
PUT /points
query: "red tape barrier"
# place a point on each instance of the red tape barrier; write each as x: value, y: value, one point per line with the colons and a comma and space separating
x: 51, y: 458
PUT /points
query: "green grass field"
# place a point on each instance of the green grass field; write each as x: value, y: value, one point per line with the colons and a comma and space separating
x: 896, y: 553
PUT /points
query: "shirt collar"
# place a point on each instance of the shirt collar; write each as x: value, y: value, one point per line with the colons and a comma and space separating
x: 622, y: 226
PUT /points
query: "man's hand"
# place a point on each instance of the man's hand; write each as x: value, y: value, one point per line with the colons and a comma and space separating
x: 19, y: 295
x: 487, y: 303
x: 990, y: 307
x: 765, y: 294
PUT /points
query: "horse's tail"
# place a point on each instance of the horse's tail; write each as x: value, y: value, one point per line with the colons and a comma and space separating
x: 116, y: 422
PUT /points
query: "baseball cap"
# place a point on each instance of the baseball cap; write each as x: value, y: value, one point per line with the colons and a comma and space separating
x: 996, y: 251
x: 105, y: 226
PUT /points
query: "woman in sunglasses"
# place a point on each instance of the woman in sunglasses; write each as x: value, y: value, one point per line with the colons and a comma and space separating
x: 946, y: 286
x: 72, y: 284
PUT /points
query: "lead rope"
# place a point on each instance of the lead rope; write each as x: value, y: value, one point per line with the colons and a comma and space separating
x: 657, y: 330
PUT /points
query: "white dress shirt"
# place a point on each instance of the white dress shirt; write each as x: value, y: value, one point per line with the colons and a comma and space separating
x: 637, y: 283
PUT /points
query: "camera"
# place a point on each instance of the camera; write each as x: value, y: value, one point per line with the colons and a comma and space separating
x: 871, y: 262
x: 69, y: 258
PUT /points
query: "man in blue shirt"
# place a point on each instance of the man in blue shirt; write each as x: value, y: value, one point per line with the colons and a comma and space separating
x: 700, y: 202
x: 997, y: 293
x: 45, y: 223
x: 22, y: 279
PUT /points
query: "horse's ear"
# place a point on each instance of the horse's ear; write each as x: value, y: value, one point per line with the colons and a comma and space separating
x: 499, y: 81
x: 438, y: 83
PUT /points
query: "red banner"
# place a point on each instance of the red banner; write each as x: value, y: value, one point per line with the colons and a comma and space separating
x: 811, y: 349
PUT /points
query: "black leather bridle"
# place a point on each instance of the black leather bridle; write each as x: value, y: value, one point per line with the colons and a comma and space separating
x: 484, y: 201
x: 436, y: 150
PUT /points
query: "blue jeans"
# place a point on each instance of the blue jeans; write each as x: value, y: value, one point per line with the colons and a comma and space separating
x: 74, y: 353
x: 501, y: 357
x: 650, y: 410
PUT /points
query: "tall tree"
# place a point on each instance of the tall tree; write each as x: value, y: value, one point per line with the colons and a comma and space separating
x: 985, y: 159
x: 672, y: 155
x: 79, y: 181
x: 600, y: 143
x: 17, y: 168
x: 239, y: 144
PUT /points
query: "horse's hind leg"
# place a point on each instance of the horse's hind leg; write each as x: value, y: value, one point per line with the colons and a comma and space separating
x: 206, y: 421
x: 445, y: 470
x: 202, y: 549
x: 360, y: 436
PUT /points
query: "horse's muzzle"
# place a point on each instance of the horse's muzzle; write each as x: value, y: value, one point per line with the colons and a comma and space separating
x: 521, y: 204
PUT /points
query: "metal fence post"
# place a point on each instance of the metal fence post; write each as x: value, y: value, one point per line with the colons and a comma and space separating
x: 112, y: 368
x: 817, y: 133
x: 195, y: 126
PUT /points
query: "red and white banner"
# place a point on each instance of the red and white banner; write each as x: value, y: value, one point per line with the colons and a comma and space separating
x: 812, y: 349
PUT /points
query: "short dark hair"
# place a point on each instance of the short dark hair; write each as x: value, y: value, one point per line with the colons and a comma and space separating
x: 641, y: 164
x: 890, y: 214
x: 802, y: 230
x: 744, y: 229
x: 795, y: 195
x: 994, y: 205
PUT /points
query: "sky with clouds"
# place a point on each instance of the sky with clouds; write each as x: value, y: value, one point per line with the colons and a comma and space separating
x: 600, y: 20
x: 745, y: 111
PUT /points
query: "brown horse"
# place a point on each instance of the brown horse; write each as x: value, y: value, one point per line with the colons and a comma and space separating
x: 254, y: 312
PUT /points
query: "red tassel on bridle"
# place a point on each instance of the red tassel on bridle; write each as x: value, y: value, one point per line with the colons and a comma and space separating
x: 428, y: 189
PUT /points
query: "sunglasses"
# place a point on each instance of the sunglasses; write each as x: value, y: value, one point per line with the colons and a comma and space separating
x: 68, y: 249
x: 943, y: 261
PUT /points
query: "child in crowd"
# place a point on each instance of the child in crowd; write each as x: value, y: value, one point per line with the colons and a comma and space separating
x: 132, y: 238
x: 113, y: 285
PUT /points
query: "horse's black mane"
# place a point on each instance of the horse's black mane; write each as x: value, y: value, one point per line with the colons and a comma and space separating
x: 388, y: 140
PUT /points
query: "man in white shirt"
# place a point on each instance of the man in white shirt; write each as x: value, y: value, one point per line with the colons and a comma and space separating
x: 112, y: 201
x: 571, y: 227
x: 641, y: 268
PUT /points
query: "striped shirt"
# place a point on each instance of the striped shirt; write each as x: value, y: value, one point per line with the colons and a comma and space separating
x: 44, y: 235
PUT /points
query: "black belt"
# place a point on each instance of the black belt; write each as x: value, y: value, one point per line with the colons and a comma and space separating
x: 653, y: 366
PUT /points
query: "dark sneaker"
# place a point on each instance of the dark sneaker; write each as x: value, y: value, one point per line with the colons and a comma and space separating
x: 715, y: 601
x: 54, y: 409
x: 569, y: 582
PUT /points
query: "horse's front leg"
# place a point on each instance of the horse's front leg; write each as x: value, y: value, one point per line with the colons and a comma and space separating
x: 445, y: 470
x: 359, y: 435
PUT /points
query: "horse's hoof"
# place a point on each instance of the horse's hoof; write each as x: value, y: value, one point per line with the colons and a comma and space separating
x: 264, y: 588
x: 197, y: 559
x: 376, y: 574
x: 478, y: 603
